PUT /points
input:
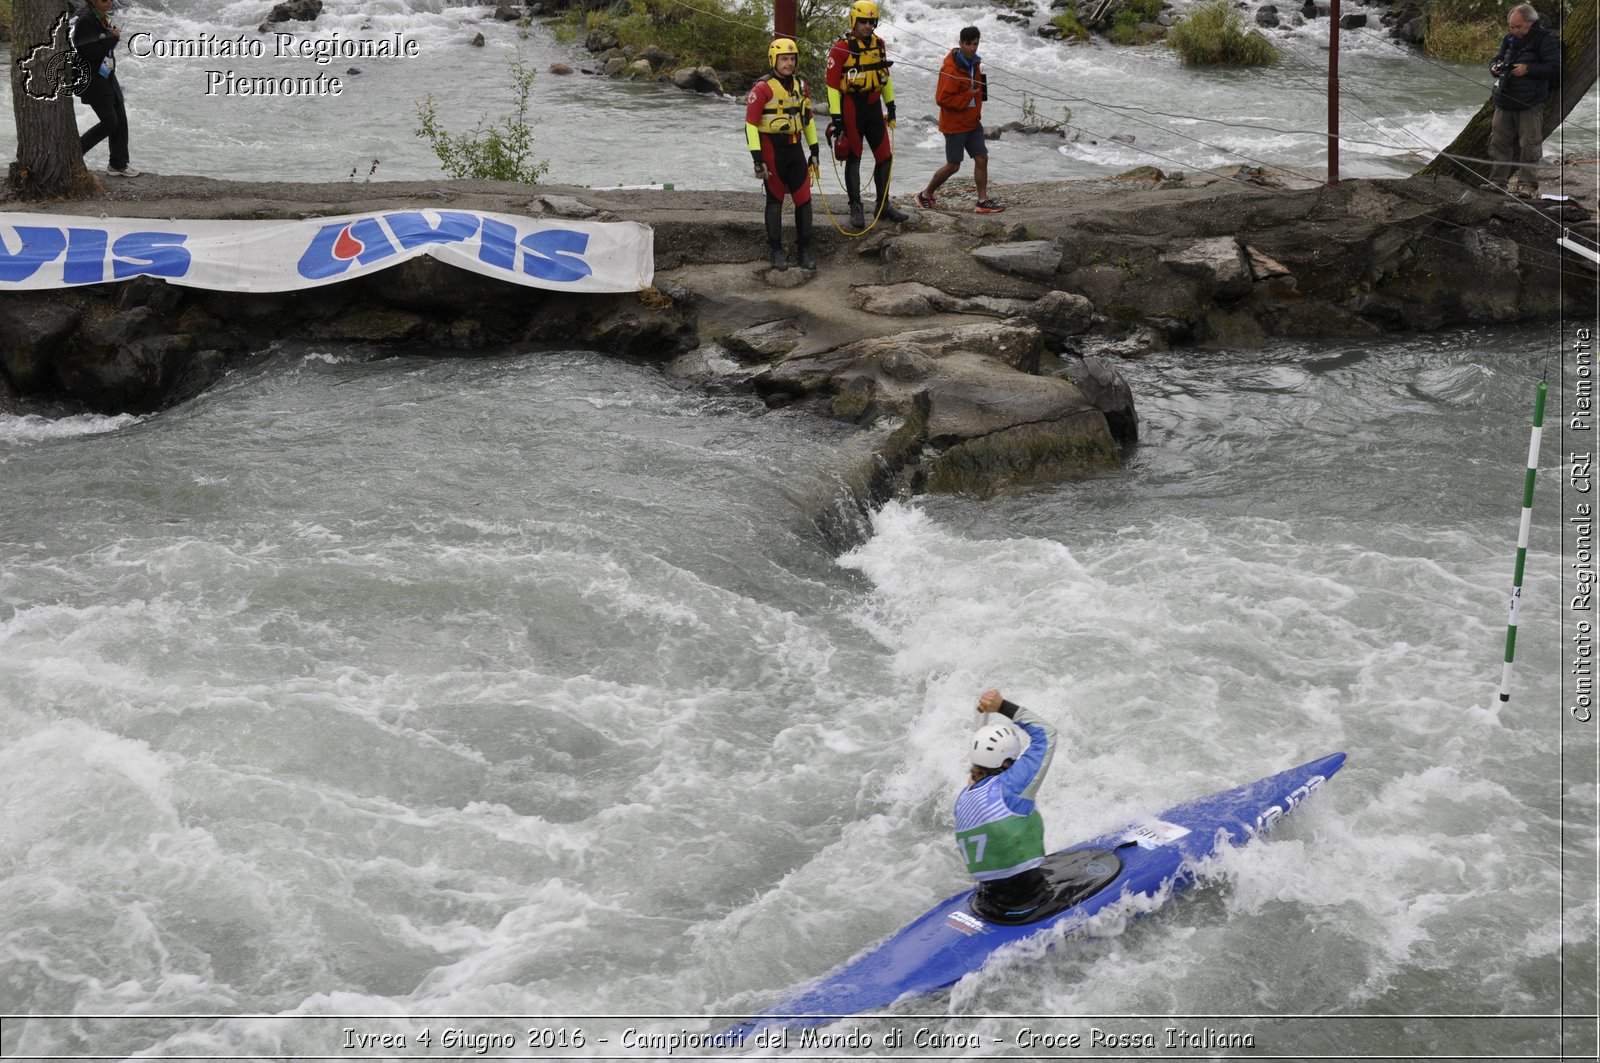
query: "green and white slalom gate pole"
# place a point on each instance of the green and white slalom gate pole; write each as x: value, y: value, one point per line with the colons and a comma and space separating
x: 1522, y: 539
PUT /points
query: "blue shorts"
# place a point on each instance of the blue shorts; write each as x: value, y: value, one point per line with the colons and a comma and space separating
x: 972, y: 143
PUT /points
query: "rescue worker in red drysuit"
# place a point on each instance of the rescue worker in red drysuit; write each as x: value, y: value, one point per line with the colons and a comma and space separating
x: 858, y: 81
x: 778, y: 128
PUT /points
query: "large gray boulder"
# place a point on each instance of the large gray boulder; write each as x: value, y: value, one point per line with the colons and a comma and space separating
x: 976, y: 416
x: 1217, y: 262
x: 1038, y: 259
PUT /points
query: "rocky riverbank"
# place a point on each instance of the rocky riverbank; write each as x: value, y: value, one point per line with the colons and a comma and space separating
x: 975, y: 351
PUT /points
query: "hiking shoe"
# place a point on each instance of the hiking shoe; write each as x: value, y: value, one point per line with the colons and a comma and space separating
x: 126, y: 171
x: 988, y: 206
x: 805, y: 258
x: 890, y: 212
x: 858, y: 217
x: 778, y: 261
x: 925, y: 201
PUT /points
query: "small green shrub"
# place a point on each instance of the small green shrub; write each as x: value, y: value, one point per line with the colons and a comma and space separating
x: 1071, y: 29
x: 1463, y: 31
x: 500, y: 152
x: 1215, y: 34
x: 1132, y: 22
x: 6, y: 20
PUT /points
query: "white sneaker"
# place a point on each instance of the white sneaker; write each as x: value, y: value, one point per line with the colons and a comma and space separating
x: 126, y: 171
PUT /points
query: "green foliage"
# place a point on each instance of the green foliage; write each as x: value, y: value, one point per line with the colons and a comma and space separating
x: 1464, y: 31
x: 6, y: 19
x: 1071, y: 29
x: 1215, y: 34
x: 710, y: 33
x: 1130, y: 24
x: 723, y: 34
x: 500, y: 152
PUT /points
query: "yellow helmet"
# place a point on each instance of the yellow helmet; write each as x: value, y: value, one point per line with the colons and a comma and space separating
x: 863, y: 11
x: 781, y: 46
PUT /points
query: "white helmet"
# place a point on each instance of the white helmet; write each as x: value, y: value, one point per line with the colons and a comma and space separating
x: 995, y: 744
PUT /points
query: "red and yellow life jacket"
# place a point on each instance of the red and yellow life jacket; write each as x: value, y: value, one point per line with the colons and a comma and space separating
x: 866, y: 68
x: 786, y: 113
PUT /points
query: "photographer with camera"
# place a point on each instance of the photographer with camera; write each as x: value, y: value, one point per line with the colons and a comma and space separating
x: 1527, y: 64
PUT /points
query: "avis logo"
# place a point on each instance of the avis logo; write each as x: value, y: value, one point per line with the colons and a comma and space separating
x: 54, y: 69
x: 84, y: 254
x: 1298, y: 794
x: 548, y: 254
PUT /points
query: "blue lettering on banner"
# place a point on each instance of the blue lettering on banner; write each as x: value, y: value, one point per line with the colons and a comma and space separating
x: 134, y: 254
x: 548, y: 255
x: 150, y: 255
x: 413, y: 230
x: 39, y: 245
x: 498, y: 247
x: 335, y: 246
x: 86, y: 256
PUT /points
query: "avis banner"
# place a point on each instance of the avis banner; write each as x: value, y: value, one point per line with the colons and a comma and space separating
x: 58, y: 251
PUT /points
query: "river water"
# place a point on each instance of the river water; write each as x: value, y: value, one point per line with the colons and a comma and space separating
x: 519, y: 695
x: 526, y: 686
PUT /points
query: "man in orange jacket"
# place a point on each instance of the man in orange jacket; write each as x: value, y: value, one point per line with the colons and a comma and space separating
x: 960, y: 93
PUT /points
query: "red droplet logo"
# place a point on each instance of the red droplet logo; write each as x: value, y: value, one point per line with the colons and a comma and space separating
x: 346, y: 246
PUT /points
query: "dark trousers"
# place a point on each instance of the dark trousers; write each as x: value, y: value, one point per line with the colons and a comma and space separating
x: 1516, y: 137
x: 104, y: 97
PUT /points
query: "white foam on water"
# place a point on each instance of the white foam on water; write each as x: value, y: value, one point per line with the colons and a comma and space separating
x: 32, y: 429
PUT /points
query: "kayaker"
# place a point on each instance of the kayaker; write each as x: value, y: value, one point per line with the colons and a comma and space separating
x: 999, y: 831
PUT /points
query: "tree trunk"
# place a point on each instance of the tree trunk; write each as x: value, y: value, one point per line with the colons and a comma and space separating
x: 48, y: 163
x: 1578, y: 69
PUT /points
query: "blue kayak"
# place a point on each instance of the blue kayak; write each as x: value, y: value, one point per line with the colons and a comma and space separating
x: 954, y: 940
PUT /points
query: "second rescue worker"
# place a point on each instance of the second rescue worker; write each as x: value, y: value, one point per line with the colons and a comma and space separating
x: 858, y: 79
x: 779, y: 128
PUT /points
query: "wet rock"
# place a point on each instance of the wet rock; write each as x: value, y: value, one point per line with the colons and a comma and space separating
x: 295, y: 11
x: 508, y: 12
x: 1263, y: 266
x: 110, y: 374
x: 657, y: 57
x: 1110, y: 393
x: 560, y: 69
x: 1027, y: 258
x: 374, y: 326
x: 477, y: 41
x: 697, y: 79
x: 1267, y: 15
x: 766, y: 341
x: 1217, y: 262
x: 1061, y: 314
x: 31, y: 335
x: 567, y: 206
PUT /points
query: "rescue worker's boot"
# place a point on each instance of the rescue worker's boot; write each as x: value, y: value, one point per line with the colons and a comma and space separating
x: 802, y: 233
x: 880, y: 180
x: 775, y: 234
x: 852, y: 189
